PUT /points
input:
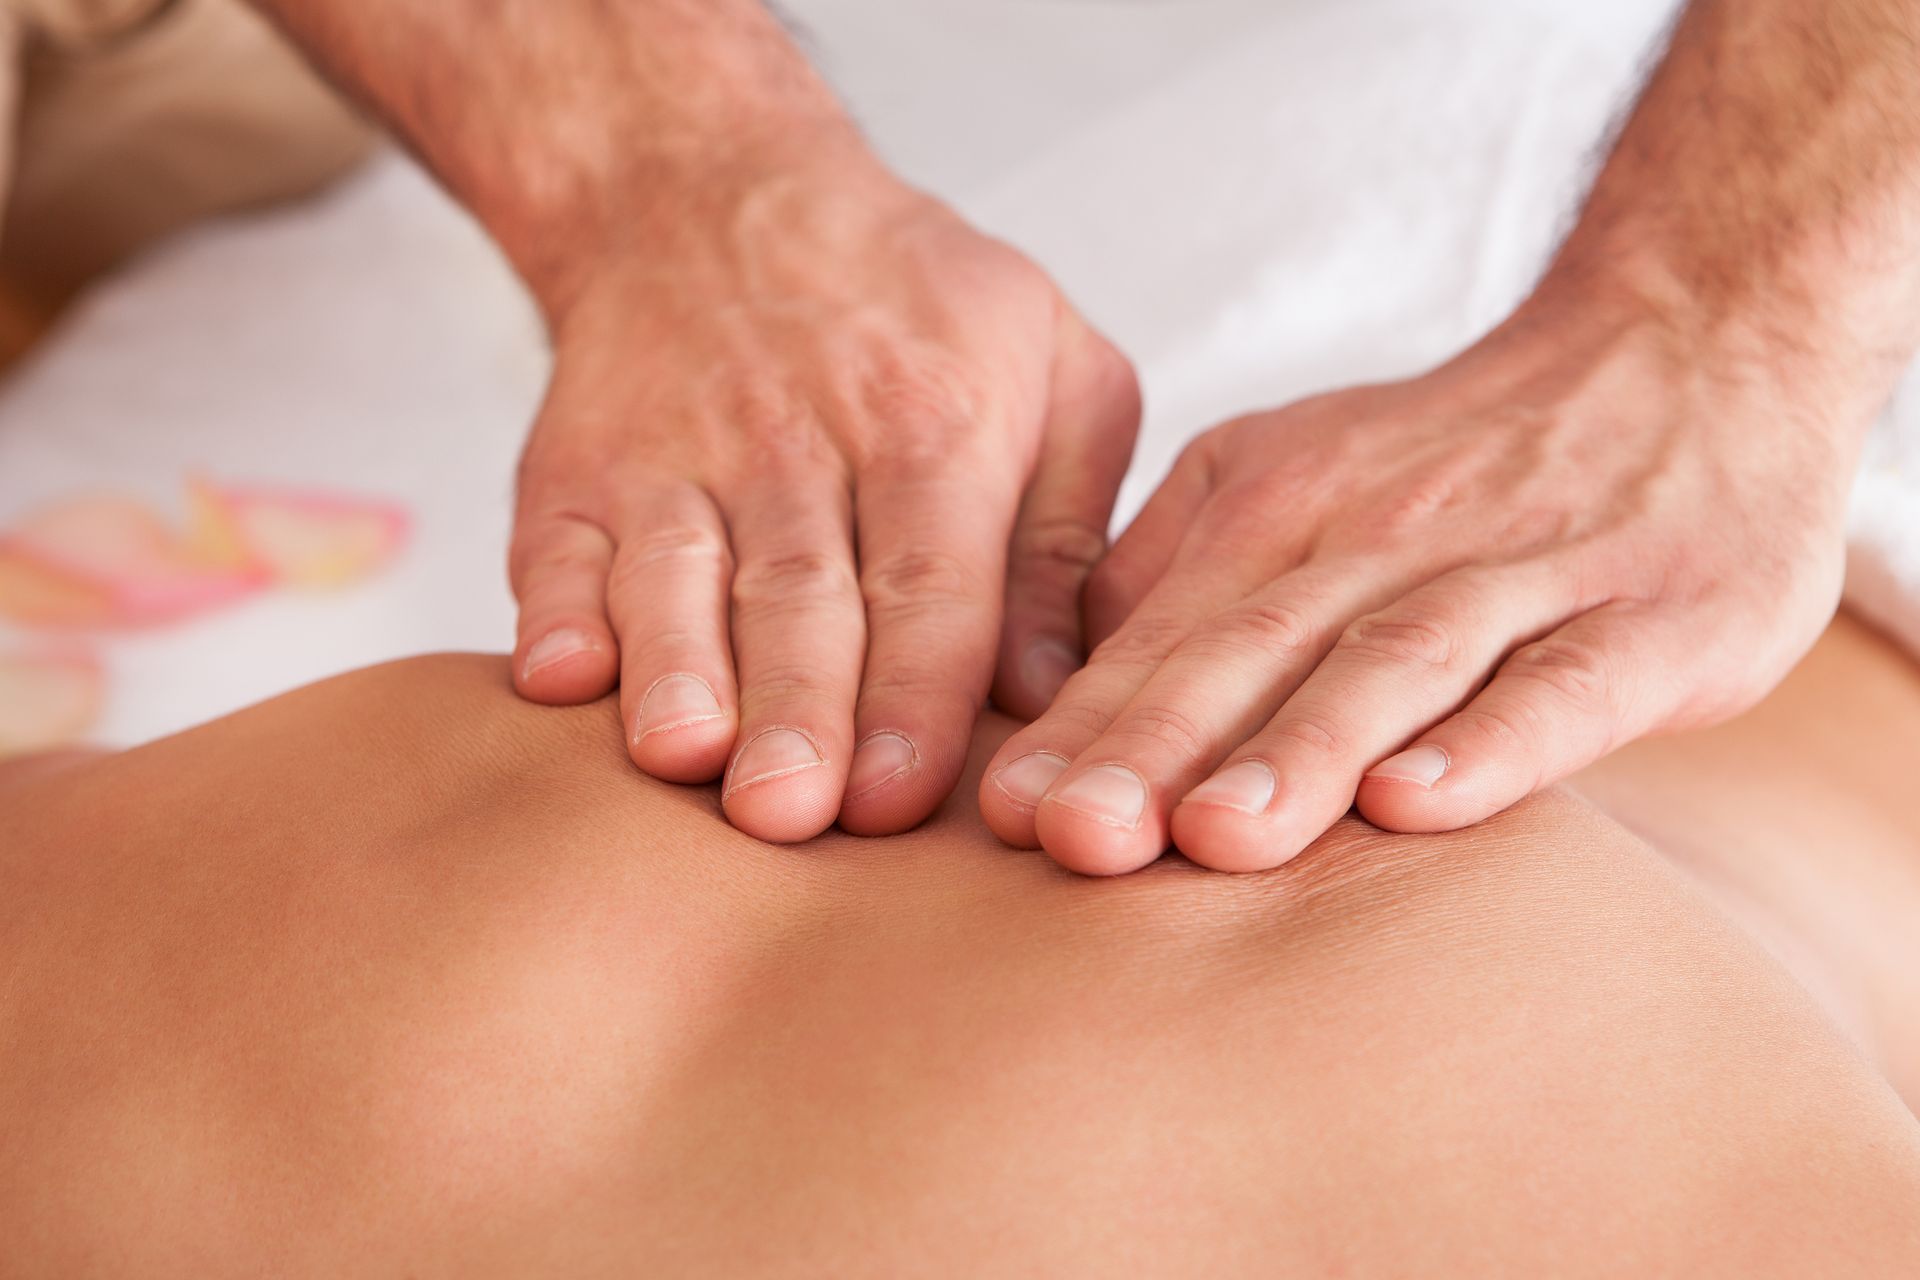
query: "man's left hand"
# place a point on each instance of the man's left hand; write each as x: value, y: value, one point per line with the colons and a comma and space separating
x: 1434, y: 597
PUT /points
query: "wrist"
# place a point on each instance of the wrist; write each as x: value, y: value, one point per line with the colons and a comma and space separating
x: 668, y: 196
x: 603, y: 126
x: 1756, y: 331
x: 814, y: 231
x: 1605, y: 366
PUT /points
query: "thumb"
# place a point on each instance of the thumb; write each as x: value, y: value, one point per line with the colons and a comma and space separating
x: 1093, y: 414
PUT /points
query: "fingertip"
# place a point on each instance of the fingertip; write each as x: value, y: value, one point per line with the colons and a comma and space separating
x: 1011, y: 791
x: 781, y: 786
x: 565, y: 665
x: 1221, y: 838
x: 1100, y: 822
x: 1084, y: 847
x: 678, y: 728
x: 1421, y: 790
x: 891, y: 786
x: 787, y: 811
x: 688, y: 753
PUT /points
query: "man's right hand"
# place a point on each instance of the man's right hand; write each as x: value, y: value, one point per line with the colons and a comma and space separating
x: 801, y: 443
x: 799, y: 414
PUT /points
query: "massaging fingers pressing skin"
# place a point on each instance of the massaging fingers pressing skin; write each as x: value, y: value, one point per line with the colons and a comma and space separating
x: 814, y: 453
x: 1617, y: 514
x: 1429, y: 599
x: 797, y: 492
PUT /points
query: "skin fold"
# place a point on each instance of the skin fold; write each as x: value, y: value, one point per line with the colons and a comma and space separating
x: 400, y: 974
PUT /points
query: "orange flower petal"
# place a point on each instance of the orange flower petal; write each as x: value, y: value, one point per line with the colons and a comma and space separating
x: 46, y: 700
x: 34, y: 595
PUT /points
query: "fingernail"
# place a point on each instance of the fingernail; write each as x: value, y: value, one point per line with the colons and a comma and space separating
x: 881, y: 758
x: 1046, y: 666
x: 553, y: 648
x: 1421, y: 765
x: 1247, y: 786
x: 774, y: 754
x: 1027, y: 779
x: 1110, y: 793
x: 674, y: 702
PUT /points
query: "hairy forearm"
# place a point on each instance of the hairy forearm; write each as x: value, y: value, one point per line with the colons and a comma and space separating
x: 1764, y: 196
x: 564, y: 124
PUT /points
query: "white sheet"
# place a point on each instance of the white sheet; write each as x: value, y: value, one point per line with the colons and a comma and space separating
x: 1258, y: 199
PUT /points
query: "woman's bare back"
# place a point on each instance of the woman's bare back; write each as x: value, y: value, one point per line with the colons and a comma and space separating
x: 401, y: 974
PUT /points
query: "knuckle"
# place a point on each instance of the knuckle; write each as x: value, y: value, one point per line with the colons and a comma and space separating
x: 924, y: 691
x: 1273, y: 628
x: 535, y: 563
x: 793, y: 579
x: 1062, y: 548
x: 1572, y: 671
x: 1403, y: 639
x: 900, y: 681
x: 1142, y: 642
x: 772, y: 415
x: 1313, y: 734
x: 1084, y: 720
x: 660, y: 644
x: 1417, y: 504
x: 775, y: 686
x: 1497, y: 731
x: 917, y: 579
x: 921, y: 396
x: 1165, y: 728
x: 673, y: 544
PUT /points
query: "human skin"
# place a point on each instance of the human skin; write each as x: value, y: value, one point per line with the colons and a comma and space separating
x: 1798, y: 819
x: 818, y: 458
x: 814, y: 452
x: 1620, y: 513
x: 400, y: 974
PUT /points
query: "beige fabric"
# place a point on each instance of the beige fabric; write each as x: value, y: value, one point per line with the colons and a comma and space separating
x: 137, y: 117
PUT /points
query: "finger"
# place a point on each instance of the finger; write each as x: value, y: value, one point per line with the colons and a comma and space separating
x: 667, y: 596
x: 1108, y: 813
x: 1392, y: 672
x: 1062, y: 527
x: 558, y: 565
x: 799, y: 637
x: 932, y: 543
x: 1142, y: 554
x: 1556, y: 705
x: 1195, y: 587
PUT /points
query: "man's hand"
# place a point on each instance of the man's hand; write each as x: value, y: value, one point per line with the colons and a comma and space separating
x: 809, y: 436
x: 1619, y: 513
x: 777, y: 475
x: 1438, y: 595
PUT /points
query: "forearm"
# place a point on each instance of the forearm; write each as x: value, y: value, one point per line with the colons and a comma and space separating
x: 1764, y: 196
x: 566, y: 125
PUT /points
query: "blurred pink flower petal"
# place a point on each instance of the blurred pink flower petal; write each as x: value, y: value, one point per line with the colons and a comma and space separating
x: 106, y: 562
x: 301, y: 538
